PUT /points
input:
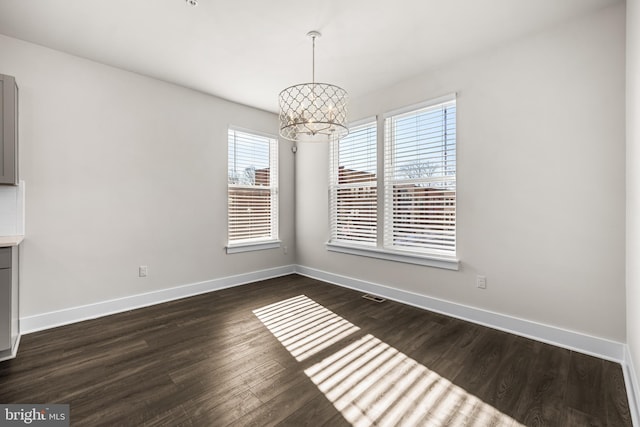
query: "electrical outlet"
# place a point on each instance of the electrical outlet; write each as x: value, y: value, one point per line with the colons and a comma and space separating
x: 284, y: 250
x: 481, y: 282
x: 143, y: 270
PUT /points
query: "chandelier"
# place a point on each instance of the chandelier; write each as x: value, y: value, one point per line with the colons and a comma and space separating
x: 313, y: 111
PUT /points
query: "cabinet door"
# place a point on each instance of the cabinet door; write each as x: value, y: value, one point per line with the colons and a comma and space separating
x: 5, y: 309
x: 8, y: 130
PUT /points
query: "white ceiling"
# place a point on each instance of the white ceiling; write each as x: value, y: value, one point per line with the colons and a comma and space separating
x: 248, y: 50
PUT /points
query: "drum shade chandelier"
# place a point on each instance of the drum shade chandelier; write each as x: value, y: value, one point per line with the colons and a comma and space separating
x: 313, y: 111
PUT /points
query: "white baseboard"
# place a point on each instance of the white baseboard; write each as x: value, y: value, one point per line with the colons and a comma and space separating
x: 583, y: 343
x: 594, y: 346
x: 631, y: 383
x: 91, y: 311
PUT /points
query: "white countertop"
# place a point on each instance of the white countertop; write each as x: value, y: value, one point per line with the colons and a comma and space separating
x: 10, y: 240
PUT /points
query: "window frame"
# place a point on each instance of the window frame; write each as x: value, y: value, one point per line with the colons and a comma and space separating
x: 258, y: 243
x: 382, y: 250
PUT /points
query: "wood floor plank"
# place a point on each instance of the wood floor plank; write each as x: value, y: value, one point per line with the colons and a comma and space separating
x: 222, y: 412
x: 541, y: 402
x: 585, y: 392
x: 280, y: 407
x: 573, y: 417
x: 440, y: 340
x: 210, y: 360
x: 513, y: 373
x: 482, y: 365
x: 267, y: 389
x: 317, y: 412
x: 616, y: 403
x: 451, y: 361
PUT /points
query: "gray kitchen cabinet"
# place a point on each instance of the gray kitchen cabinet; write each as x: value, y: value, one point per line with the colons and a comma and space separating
x: 9, y: 302
x: 8, y: 130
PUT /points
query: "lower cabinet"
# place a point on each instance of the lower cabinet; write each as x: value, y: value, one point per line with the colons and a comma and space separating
x: 9, y: 303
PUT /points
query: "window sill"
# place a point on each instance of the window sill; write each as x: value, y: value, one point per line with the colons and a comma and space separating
x: 449, y: 263
x: 235, y: 248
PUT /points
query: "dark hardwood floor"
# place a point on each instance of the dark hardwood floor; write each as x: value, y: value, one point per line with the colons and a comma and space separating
x: 294, y: 351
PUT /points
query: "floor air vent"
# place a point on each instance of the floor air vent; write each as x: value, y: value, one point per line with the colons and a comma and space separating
x: 373, y: 298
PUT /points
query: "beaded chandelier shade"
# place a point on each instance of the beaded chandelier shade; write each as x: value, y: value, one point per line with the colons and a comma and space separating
x: 313, y: 111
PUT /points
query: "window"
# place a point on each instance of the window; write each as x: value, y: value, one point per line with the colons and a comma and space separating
x: 409, y: 213
x: 353, y: 196
x: 420, y: 179
x: 252, y: 191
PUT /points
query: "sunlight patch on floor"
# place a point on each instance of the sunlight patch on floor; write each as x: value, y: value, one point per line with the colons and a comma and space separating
x: 303, y: 326
x: 368, y: 381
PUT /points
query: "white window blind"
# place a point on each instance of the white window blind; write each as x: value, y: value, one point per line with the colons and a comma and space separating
x: 353, y: 194
x: 252, y: 187
x: 420, y: 180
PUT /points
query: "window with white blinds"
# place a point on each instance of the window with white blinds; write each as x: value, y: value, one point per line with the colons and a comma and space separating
x: 420, y: 179
x: 353, y: 186
x: 252, y: 188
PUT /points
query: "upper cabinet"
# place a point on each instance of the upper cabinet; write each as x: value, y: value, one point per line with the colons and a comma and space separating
x: 8, y: 130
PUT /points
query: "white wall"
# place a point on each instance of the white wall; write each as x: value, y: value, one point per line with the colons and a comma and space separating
x: 12, y: 209
x: 633, y: 183
x: 123, y: 170
x: 540, y: 180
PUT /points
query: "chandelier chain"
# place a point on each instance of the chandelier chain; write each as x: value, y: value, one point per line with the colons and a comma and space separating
x: 313, y: 60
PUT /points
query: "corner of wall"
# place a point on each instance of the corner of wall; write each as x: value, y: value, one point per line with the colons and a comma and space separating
x: 631, y: 384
